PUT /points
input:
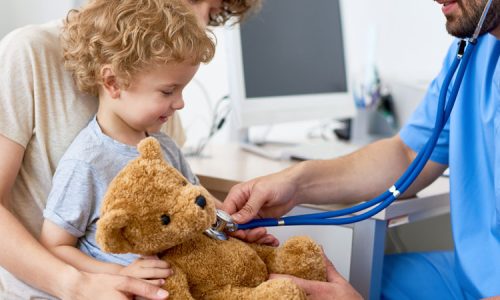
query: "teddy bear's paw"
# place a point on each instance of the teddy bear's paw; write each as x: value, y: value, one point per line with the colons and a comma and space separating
x: 300, y: 256
x: 279, y: 288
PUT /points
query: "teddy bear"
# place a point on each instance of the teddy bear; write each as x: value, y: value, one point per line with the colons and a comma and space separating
x: 151, y: 209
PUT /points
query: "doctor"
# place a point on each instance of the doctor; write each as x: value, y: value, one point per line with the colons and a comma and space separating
x: 469, y: 145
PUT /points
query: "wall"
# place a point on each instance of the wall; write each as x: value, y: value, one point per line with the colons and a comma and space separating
x: 411, y: 37
x: 18, y: 13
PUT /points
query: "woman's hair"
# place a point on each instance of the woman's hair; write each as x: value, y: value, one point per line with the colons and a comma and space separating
x: 235, y: 10
x: 131, y: 35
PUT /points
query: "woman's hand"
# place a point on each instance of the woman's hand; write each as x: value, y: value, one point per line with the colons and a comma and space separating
x: 90, y: 286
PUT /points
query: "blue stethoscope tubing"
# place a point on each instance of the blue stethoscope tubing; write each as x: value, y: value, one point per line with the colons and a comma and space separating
x: 385, y: 199
x: 379, y: 203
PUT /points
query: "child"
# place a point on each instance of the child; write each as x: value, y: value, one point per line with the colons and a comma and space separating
x: 137, y: 56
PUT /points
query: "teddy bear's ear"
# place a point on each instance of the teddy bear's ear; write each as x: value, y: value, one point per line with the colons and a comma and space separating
x: 149, y: 148
x: 110, y: 228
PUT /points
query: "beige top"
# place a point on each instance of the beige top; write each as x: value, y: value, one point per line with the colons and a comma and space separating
x: 42, y: 111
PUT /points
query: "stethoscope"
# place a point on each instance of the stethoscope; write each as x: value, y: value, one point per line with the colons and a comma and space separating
x: 340, y: 217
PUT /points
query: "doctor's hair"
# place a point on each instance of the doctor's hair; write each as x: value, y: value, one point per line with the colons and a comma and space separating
x: 130, y: 36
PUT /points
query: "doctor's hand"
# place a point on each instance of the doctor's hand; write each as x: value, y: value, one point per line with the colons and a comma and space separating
x: 269, y: 196
x: 336, y: 287
x: 256, y: 235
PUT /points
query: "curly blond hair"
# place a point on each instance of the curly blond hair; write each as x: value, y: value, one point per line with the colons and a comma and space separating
x: 131, y: 35
x: 236, y: 10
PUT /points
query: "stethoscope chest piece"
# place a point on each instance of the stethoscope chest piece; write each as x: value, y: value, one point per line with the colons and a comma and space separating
x: 223, y: 224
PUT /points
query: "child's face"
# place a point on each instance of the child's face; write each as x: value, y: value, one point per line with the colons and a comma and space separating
x: 154, y: 95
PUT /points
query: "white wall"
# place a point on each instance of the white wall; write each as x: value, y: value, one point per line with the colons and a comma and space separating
x: 16, y: 13
x: 412, y: 39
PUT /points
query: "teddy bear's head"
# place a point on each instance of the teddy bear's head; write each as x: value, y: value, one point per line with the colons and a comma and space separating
x: 150, y: 207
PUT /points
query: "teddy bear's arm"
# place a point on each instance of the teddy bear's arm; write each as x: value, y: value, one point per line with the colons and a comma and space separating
x: 299, y: 256
x: 177, y: 284
x: 266, y: 253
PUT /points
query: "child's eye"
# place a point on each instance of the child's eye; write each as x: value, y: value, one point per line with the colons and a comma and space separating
x: 167, y: 93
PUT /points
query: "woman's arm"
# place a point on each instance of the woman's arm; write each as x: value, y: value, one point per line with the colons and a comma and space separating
x: 14, y: 255
x: 23, y: 256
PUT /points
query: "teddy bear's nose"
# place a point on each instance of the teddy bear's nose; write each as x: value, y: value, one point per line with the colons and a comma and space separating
x: 201, y: 201
x: 165, y: 219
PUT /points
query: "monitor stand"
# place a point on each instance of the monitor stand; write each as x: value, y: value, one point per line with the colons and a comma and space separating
x: 305, y: 150
x: 243, y: 137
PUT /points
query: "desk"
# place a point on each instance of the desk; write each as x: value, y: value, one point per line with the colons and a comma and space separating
x: 227, y: 165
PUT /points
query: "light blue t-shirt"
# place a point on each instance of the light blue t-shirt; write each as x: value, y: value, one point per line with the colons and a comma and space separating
x: 82, y: 176
x: 470, y: 144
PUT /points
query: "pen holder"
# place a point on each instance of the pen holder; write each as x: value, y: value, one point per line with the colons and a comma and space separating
x: 373, y: 122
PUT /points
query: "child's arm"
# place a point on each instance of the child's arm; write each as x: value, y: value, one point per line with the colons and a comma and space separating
x: 62, y: 244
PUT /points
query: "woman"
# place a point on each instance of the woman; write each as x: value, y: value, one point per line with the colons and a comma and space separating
x: 41, y: 113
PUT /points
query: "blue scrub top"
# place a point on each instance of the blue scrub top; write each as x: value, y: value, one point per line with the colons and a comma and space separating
x: 470, y: 144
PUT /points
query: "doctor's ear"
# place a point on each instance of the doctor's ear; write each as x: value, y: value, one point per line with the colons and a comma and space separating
x: 110, y: 82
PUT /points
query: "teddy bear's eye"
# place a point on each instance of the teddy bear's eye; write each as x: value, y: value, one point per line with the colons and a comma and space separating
x: 184, y: 183
x: 165, y: 219
x: 201, y: 201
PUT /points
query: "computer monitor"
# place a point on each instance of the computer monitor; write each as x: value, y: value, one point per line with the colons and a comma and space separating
x: 288, y: 63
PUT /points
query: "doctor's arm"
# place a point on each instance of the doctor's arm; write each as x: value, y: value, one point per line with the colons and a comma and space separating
x: 356, y: 177
x: 23, y: 256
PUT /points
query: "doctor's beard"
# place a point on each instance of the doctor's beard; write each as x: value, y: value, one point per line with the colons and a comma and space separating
x: 464, y: 24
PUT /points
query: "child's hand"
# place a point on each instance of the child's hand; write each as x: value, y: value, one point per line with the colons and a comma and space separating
x: 147, y: 267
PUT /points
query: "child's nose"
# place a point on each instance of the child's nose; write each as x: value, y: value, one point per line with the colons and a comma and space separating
x: 178, y: 104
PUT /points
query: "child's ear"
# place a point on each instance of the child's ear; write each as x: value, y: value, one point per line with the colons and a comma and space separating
x: 110, y: 82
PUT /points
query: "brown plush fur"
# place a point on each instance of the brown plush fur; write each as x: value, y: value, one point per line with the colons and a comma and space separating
x: 148, y: 189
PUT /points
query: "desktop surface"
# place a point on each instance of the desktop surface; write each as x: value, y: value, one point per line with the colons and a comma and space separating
x: 302, y: 151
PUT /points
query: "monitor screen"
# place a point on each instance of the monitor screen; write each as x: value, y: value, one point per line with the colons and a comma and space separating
x: 288, y: 63
x: 293, y: 47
